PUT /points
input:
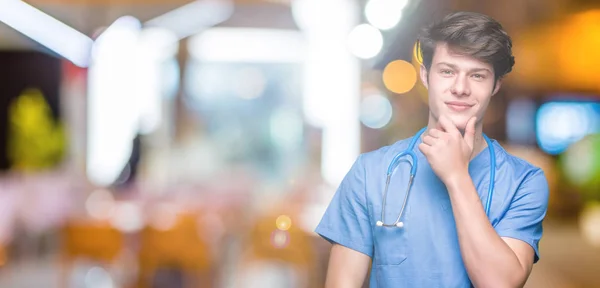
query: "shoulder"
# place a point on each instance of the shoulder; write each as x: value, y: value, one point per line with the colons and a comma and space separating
x: 527, y: 177
x: 517, y: 164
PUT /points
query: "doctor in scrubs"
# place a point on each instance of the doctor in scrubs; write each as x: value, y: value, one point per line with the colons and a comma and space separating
x: 445, y: 237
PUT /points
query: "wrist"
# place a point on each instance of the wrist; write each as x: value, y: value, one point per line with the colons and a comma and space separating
x: 456, y: 179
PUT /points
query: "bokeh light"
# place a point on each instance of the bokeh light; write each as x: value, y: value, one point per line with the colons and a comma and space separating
x: 365, y: 41
x: 283, y: 222
x: 100, y: 204
x: 384, y: 14
x: 581, y: 163
x: 286, y: 128
x: 589, y: 223
x: 375, y: 111
x: 520, y: 121
x: 164, y: 216
x: 399, y: 76
x: 97, y: 277
x: 560, y: 124
x: 280, y: 239
x: 249, y: 83
x: 127, y: 217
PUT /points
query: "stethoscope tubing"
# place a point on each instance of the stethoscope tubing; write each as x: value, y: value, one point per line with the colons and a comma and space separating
x: 413, y: 171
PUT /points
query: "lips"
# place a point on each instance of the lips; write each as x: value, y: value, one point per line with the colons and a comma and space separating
x: 459, y: 106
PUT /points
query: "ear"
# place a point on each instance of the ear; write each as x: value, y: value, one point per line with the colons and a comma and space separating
x: 423, y: 73
x: 498, y: 84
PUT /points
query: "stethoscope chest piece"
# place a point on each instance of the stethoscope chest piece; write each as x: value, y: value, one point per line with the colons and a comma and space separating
x: 399, y: 224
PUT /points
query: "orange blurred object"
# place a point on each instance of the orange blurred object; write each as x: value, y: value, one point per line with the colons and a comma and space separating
x: 179, y: 246
x: 3, y: 256
x: 94, y: 240
x: 569, y: 46
x: 292, y: 246
x: 399, y: 76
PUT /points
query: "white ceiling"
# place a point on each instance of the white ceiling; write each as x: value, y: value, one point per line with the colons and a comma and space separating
x: 89, y: 18
x: 86, y: 19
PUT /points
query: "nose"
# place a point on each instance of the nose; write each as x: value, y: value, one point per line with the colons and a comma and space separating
x: 461, y: 86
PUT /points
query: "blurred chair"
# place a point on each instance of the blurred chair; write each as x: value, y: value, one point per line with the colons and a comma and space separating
x: 178, y: 250
x: 90, y: 240
x: 290, y: 246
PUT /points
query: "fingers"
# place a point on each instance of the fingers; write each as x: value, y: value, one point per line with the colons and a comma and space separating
x: 470, y: 132
x: 424, y: 148
x: 435, y: 133
x: 427, y: 139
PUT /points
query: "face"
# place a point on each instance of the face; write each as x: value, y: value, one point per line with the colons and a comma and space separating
x: 459, y: 87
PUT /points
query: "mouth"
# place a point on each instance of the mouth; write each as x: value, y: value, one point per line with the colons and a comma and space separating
x: 459, y: 106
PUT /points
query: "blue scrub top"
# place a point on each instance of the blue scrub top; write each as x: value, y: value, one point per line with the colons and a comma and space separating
x: 425, y: 253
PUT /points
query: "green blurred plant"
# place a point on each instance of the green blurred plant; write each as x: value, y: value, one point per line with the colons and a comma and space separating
x: 581, y: 166
x: 36, y: 141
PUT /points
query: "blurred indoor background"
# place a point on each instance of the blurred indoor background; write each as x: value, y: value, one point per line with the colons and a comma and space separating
x: 178, y: 143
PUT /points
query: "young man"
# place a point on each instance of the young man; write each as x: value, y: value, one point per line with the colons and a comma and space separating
x: 450, y: 232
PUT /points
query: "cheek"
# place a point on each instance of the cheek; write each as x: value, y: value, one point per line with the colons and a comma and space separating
x: 440, y: 84
x: 482, y: 91
x: 484, y: 88
x: 483, y: 96
x: 483, y: 105
x: 437, y: 89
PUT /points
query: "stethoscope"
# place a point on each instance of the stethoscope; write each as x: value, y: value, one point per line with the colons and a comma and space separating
x: 413, y: 172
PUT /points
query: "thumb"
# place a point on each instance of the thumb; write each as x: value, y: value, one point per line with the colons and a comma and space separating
x: 470, y: 132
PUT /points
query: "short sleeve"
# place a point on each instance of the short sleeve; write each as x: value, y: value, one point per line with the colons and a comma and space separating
x: 346, y: 219
x: 523, y: 220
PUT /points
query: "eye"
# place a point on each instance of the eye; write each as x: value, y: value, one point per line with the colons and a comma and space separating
x: 446, y: 72
x: 479, y: 76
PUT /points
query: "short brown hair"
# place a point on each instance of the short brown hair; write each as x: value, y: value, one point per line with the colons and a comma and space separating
x: 473, y: 34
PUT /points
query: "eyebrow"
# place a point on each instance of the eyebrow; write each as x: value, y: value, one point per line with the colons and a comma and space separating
x: 470, y: 70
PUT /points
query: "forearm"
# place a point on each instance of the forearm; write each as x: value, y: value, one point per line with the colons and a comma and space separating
x: 347, y: 268
x: 489, y: 261
x: 341, y: 280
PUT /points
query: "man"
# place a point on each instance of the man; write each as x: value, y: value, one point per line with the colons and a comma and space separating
x: 443, y: 237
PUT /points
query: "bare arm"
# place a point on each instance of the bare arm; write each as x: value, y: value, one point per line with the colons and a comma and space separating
x: 347, y: 268
x: 491, y: 261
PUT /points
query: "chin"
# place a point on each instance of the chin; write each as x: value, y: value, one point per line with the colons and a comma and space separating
x: 460, y: 121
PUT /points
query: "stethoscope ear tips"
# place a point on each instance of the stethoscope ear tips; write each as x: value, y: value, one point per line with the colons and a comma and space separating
x: 379, y: 223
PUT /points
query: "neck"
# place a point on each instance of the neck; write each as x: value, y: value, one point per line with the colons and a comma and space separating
x: 479, y: 144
